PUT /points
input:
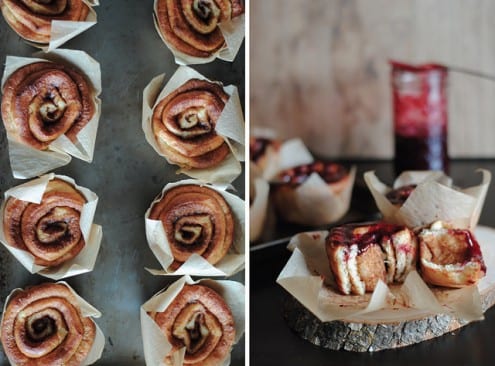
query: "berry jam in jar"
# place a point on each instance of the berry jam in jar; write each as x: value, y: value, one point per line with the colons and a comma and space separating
x: 420, y: 117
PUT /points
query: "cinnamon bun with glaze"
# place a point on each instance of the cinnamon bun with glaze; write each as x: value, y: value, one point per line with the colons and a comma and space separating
x: 196, y: 219
x: 50, y: 230
x: 362, y: 254
x: 32, y: 19
x: 450, y: 257
x: 43, y: 325
x: 191, y: 26
x: 184, y: 125
x: 44, y: 100
x: 200, y: 320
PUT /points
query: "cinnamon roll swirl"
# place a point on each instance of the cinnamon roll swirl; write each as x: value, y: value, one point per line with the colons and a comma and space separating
x: 32, y: 19
x: 191, y: 26
x: 199, y: 320
x: 184, y: 125
x: 44, y: 100
x: 50, y: 230
x: 43, y: 325
x: 196, y: 219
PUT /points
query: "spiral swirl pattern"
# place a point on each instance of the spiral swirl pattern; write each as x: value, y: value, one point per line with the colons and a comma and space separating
x: 184, y: 125
x: 191, y: 26
x: 32, y: 19
x: 43, y: 101
x: 50, y: 230
x: 196, y: 219
x: 199, y: 320
x: 43, y: 325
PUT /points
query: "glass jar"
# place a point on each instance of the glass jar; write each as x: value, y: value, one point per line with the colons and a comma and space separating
x: 420, y: 117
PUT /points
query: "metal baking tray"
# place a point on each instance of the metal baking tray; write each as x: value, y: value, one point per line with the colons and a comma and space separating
x: 126, y: 172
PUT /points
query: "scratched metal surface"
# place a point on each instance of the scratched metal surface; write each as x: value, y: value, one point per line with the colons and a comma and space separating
x: 126, y: 173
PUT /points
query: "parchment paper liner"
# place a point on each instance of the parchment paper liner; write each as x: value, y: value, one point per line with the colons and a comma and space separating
x: 84, y: 262
x: 290, y: 154
x: 230, y: 125
x: 307, y: 269
x: 27, y: 162
x: 64, y: 30
x: 156, y: 344
x: 259, y: 194
x: 233, y: 32
x: 196, y: 265
x: 87, y: 310
x: 433, y: 199
x: 315, y: 203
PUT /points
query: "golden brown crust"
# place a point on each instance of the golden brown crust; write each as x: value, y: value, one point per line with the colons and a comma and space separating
x: 43, y: 325
x: 44, y: 100
x: 191, y: 26
x: 450, y: 257
x: 50, y: 231
x: 200, y: 320
x: 184, y: 125
x: 196, y: 219
x: 32, y: 19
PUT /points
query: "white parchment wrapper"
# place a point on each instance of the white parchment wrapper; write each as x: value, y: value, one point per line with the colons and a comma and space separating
x: 433, y: 199
x: 27, y: 162
x: 156, y: 344
x: 307, y: 277
x: 233, y: 32
x: 87, y: 310
x: 84, y: 262
x: 196, y: 265
x: 230, y: 125
x: 259, y: 194
x: 314, y: 202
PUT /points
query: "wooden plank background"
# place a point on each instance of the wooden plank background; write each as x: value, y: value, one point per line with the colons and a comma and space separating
x: 319, y: 69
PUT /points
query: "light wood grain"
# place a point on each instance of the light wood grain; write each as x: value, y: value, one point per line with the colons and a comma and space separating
x: 319, y: 70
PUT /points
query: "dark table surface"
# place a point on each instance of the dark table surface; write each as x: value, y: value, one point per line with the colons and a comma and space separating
x: 273, y: 343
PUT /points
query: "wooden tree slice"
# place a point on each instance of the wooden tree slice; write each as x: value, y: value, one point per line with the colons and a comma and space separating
x: 368, y: 337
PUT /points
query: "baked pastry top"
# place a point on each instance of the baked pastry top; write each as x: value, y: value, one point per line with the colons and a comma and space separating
x: 44, y: 100
x: 50, y: 230
x: 32, y: 19
x: 196, y: 219
x: 184, y: 125
x: 191, y: 26
x: 43, y: 325
x: 200, y: 320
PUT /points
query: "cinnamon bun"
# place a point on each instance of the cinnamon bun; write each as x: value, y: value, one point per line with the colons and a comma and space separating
x: 50, y: 230
x: 191, y: 26
x: 196, y: 219
x: 43, y: 325
x: 450, y: 257
x: 199, y: 320
x: 44, y: 100
x: 362, y: 254
x: 32, y: 19
x: 184, y: 125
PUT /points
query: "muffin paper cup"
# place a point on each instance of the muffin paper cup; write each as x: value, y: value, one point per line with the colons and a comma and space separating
x: 27, y: 162
x: 315, y: 203
x: 196, y: 265
x: 87, y: 310
x: 230, y: 125
x: 156, y: 344
x: 260, y: 191
x: 433, y: 199
x: 84, y: 262
x: 307, y: 277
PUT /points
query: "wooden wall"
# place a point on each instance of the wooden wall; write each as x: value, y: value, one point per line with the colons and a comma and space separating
x: 319, y: 69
